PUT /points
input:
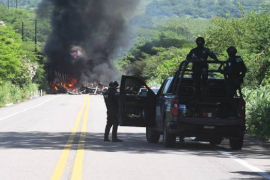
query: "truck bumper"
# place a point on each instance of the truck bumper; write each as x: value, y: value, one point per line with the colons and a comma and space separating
x: 227, y: 128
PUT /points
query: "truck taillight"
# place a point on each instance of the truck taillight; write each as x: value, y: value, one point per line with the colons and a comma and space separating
x: 175, y: 104
x: 243, y: 110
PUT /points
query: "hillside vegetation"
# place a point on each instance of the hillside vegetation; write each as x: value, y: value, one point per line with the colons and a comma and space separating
x: 203, y: 8
x: 21, y: 62
x: 27, y: 4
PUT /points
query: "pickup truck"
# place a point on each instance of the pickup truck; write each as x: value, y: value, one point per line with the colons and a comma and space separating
x: 175, y: 110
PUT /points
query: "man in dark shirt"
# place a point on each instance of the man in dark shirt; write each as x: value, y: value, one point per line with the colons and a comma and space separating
x: 235, y: 71
x: 200, y: 69
x: 111, y: 97
x: 201, y: 52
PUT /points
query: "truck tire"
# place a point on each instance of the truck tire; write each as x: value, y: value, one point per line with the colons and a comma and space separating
x: 237, y: 144
x: 169, y: 139
x: 215, y: 141
x: 151, y: 135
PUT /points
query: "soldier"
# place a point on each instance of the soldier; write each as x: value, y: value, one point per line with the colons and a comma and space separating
x: 235, y: 70
x: 200, y: 70
x: 111, y: 99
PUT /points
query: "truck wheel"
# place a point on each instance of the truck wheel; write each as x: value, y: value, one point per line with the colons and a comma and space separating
x: 169, y: 139
x: 237, y: 144
x: 215, y: 141
x: 151, y: 135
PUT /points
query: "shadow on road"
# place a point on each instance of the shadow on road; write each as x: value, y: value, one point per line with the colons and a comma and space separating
x: 251, y: 175
x: 136, y: 143
x: 33, y: 140
x: 133, y: 143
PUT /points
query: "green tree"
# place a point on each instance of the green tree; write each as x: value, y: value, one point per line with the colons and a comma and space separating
x: 203, y: 8
x: 249, y: 34
x: 17, y: 65
x: 158, y: 52
x: 27, y: 4
x: 15, y: 18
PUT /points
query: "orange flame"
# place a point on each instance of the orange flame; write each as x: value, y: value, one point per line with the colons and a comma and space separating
x: 68, y: 86
x: 72, y: 82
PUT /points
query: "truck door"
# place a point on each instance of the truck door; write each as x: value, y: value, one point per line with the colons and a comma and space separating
x: 161, y: 96
x: 137, y: 103
x: 158, y: 105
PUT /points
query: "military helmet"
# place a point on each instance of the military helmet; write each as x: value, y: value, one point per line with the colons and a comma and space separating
x: 231, y: 50
x: 200, y: 41
x: 113, y: 84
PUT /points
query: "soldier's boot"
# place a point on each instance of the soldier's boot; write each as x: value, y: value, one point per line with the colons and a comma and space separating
x: 114, y: 134
x: 106, y: 134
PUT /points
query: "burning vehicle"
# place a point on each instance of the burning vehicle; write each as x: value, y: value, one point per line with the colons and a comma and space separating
x: 63, y: 84
x: 94, y: 88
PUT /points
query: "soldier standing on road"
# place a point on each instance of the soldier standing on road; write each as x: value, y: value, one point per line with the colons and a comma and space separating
x: 200, y: 70
x: 111, y: 97
x: 235, y: 70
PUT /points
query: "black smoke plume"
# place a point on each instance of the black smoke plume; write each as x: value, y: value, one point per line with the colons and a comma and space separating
x: 97, y: 29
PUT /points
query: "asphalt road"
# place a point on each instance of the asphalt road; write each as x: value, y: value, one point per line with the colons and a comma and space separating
x: 61, y: 137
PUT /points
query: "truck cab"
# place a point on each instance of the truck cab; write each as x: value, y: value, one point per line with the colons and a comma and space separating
x: 176, y: 111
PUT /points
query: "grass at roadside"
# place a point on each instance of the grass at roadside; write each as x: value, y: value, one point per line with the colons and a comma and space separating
x: 258, y: 112
x: 9, y: 93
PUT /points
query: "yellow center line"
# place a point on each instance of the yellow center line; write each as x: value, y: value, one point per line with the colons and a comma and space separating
x: 58, y: 172
x: 78, y: 165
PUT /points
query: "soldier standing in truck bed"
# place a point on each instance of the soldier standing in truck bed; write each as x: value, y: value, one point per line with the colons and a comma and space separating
x: 235, y: 71
x: 200, y: 69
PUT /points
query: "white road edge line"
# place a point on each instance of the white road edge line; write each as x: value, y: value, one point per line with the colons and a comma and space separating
x: 244, y: 163
x: 14, y: 114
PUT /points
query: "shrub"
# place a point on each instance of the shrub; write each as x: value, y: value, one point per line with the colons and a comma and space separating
x: 258, y: 112
x: 10, y: 93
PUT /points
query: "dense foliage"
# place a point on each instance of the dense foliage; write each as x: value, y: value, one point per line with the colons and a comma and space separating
x: 20, y: 64
x: 27, y: 4
x: 15, y: 18
x: 18, y: 68
x: 249, y: 34
x: 16, y: 63
x: 203, y: 8
x: 258, y: 111
x: 10, y: 93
